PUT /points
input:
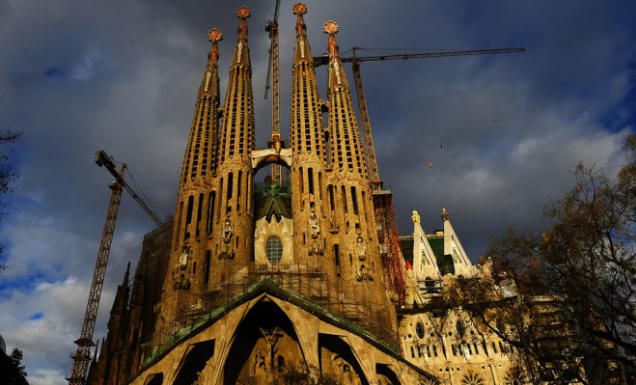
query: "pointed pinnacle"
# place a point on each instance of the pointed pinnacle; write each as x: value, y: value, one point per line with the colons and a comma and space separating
x: 243, y: 12
x: 215, y: 35
x: 331, y: 27
x: 300, y: 9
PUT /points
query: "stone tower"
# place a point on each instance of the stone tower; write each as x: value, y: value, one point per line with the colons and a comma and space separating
x: 356, y: 245
x: 309, y: 152
x: 233, y: 239
x: 196, y: 195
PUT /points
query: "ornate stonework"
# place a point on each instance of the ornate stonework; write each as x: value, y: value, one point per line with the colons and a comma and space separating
x: 248, y: 283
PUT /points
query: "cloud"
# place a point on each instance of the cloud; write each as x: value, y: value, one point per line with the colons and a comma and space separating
x: 60, y: 307
x: 46, y: 377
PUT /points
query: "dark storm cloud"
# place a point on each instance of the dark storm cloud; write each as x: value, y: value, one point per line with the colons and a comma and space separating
x: 122, y: 76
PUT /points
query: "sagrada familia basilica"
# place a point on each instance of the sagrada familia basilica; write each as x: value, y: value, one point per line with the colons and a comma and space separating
x: 246, y: 283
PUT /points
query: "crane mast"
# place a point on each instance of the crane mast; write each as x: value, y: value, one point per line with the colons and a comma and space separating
x: 82, y: 357
x: 272, y: 28
x: 369, y: 149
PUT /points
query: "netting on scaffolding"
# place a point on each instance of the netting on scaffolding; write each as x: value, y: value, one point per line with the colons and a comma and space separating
x: 389, y: 239
x: 347, y: 302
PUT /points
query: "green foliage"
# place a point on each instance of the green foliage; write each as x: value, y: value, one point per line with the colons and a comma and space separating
x: 7, y: 175
x: 12, y: 371
x: 574, y: 315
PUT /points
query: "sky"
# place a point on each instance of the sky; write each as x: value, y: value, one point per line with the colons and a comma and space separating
x: 122, y: 76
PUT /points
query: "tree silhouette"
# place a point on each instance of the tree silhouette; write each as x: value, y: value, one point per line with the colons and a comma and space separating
x: 11, y: 369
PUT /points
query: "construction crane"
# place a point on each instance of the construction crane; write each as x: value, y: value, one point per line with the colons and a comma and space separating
x: 369, y: 150
x: 271, y: 26
x: 82, y: 358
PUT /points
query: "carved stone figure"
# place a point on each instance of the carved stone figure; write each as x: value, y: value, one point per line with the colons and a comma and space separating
x: 316, y: 249
x: 415, y: 217
x: 183, y: 259
x: 228, y: 253
x: 260, y: 363
x: 334, y: 224
x: 344, y: 370
x: 226, y: 235
x: 362, y: 249
x: 313, y: 225
x: 363, y: 274
x: 181, y: 283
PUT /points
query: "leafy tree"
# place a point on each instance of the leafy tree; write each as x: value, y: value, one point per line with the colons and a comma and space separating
x: 7, y: 175
x: 574, y: 315
x: 12, y: 370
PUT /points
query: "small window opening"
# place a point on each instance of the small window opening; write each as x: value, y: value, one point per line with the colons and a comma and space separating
x: 208, y: 258
x: 190, y: 207
x: 337, y: 256
x: 310, y: 179
x: 230, y: 182
x: 419, y: 330
x: 344, y: 200
x: 354, y: 200
x: 331, y: 202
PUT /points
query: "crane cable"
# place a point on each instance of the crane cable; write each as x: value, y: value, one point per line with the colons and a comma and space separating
x: 137, y: 189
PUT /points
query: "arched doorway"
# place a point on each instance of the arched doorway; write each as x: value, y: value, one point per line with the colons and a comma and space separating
x: 386, y: 375
x: 194, y: 362
x: 264, y: 345
x: 337, y: 359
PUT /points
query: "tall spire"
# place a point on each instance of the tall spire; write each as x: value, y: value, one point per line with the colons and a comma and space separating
x: 126, y: 276
x: 200, y: 158
x: 193, y: 218
x: 308, y: 148
x: 233, y: 237
x: 349, y: 188
x: 345, y: 135
x: 301, y: 29
x: 237, y: 135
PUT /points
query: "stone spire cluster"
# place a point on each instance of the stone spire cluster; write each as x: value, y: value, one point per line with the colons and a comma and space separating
x: 213, y: 221
x: 242, y: 286
x: 309, y: 153
x: 331, y: 204
x: 358, y: 253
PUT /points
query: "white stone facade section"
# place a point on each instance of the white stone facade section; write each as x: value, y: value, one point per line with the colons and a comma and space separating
x: 264, y: 230
x: 453, y: 247
x: 424, y: 261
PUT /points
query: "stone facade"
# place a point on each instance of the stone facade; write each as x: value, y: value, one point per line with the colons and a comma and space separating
x: 246, y: 283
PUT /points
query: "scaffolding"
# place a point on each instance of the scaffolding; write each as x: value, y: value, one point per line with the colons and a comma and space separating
x: 348, y: 303
x: 389, y: 240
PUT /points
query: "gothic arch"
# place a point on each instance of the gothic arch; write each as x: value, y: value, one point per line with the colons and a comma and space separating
x: 265, y: 334
x: 154, y: 379
x: 337, y: 357
x: 194, y: 362
x: 385, y: 372
x: 262, y: 158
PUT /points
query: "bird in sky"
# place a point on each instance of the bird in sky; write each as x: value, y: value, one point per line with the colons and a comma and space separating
x: 441, y: 145
x: 496, y: 120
